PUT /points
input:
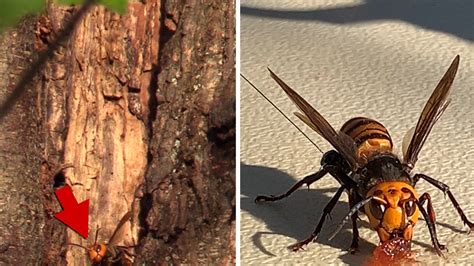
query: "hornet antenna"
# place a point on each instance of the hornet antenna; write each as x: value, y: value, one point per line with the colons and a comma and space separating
x: 278, y: 109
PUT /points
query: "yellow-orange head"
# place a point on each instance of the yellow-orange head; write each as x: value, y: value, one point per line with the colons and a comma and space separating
x: 393, y: 211
x: 97, y: 252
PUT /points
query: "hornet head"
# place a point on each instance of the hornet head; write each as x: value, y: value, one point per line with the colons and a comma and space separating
x: 392, y: 211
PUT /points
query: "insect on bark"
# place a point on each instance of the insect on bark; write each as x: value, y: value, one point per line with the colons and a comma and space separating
x: 109, y: 253
x: 378, y: 183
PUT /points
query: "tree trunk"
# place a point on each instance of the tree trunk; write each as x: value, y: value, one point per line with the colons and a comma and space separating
x: 188, y: 206
x: 142, y: 108
x: 21, y: 209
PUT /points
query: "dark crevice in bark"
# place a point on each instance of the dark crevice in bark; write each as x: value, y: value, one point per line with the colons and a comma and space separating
x: 59, y: 180
x: 223, y: 135
x: 152, y: 103
x: 145, y: 206
x: 165, y: 36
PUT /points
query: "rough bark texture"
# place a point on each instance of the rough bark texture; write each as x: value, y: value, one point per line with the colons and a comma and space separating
x: 137, y: 113
x: 97, y: 103
x: 187, y: 206
x: 20, y: 156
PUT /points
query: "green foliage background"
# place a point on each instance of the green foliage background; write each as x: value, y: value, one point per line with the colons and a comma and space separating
x: 11, y: 11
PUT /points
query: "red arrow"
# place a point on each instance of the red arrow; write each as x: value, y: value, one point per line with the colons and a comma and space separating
x: 74, y: 215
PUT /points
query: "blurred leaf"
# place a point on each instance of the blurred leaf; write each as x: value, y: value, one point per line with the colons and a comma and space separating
x: 12, y: 10
x: 119, y: 6
x: 71, y: 2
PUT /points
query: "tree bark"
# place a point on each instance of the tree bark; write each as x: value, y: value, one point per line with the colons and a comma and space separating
x: 21, y: 210
x: 188, y: 205
x: 137, y: 113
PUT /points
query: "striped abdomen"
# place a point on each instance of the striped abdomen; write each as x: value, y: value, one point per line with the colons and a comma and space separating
x: 370, y: 137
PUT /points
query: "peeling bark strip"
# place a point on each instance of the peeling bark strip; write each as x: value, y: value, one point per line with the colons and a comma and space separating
x: 187, y: 211
x: 96, y: 95
x: 107, y: 135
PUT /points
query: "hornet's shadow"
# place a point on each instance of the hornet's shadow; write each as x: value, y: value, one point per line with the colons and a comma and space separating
x: 454, y: 17
x: 297, y: 215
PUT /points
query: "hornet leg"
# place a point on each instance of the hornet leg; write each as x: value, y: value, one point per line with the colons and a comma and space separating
x: 446, y: 190
x: 339, y: 174
x: 308, y: 180
x: 355, y: 231
x: 327, y: 210
x: 430, y: 221
x: 125, y: 250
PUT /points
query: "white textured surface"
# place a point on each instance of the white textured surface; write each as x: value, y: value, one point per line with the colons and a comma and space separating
x: 380, y: 59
